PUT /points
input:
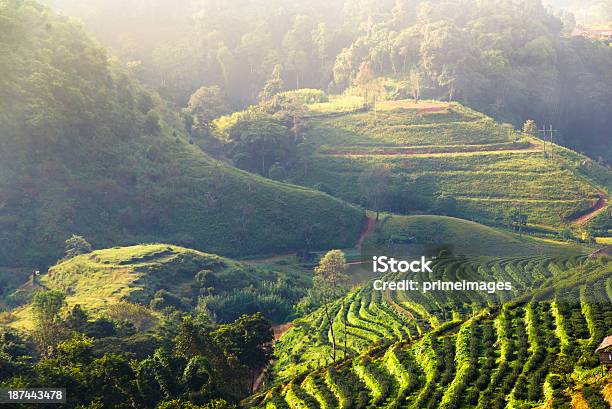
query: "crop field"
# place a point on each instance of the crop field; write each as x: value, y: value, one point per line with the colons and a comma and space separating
x: 487, y: 355
x: 391, y: 126
x: 371, y: 315
x: 486, y: 168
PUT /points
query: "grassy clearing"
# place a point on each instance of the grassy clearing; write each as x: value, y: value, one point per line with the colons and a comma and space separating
x: 391, y: 129
x: 462, y: 237
x: 431, y: 150
x: 485, y: 186
x: 336, y: 104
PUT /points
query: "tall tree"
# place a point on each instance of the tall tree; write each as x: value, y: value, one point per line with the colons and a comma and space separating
x: 257, y: 140
x: 415, y: 81
x: 248, y: 339
x: 374, y: 183
x: 49, y: 328
x: 299, y: 48
x: 530, y: 128
x: 204, y: 105
x: 364, y: 80
x: 329, y: 283
x: 274, y: 85
x: 76, y: 245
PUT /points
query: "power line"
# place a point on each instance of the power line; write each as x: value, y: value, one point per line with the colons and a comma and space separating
x: 550, y: 132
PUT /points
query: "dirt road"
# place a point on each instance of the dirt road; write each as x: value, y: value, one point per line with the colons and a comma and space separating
x: 367, y: 229
x: 599, y: 207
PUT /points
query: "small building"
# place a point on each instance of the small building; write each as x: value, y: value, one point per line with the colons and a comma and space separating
x: 605, y: 351
x: 601, y: 35
x: 604, y: 35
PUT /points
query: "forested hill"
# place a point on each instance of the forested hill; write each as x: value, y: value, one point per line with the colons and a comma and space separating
x: 86, y: 150
x: 514, y: 60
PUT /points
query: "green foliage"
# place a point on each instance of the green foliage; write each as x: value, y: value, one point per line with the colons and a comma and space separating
x: 179, y: 404
x: 308, y: 96
x: 10, y: 282
x: 151, y: 124
x: 497, y: 357
x: 373, y: 315
x: 49, y: 329
x: 450, y: 160
x: 374, y: 183
x: 258, y: 141
x: 108, y: 157
x: 85, y: 148
x: 206, y: 369
x: 204, y: 105
x: 530, y: 128
x: 248, y: 340
x: 120, y: 283
x: 76, y: 245
x: 46, y: 306
x: 439, y: 232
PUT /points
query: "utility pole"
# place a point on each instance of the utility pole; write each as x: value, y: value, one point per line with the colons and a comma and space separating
x: 543, y: 138
x: 551, y: 133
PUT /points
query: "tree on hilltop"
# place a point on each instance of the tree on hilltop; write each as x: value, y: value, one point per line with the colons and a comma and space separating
x: 530, y: 127
x: 76, y: 245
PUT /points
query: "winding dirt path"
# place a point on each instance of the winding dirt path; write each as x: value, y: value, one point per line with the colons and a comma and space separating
x: 278, y: 330
x: 367, y: 229
x: 598, y: 207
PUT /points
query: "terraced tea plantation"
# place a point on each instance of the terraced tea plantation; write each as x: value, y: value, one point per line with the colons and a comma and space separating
x: 453, y: 152
x: 512, y: 355
x: 373, y: 316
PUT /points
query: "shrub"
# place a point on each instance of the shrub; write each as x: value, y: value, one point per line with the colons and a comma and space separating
x: 138, y: 315
x: 307, y: 96
x: 76, y: 245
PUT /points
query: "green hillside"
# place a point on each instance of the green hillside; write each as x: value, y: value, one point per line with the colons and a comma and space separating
x: 517, y: 354
x: 161, y: 276
x: 447, y: 159
x: 460, y: 237
x: 85, y: 150
x: 374, y: 315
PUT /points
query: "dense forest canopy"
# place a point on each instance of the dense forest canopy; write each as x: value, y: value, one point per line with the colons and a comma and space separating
x: 512, y: 59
